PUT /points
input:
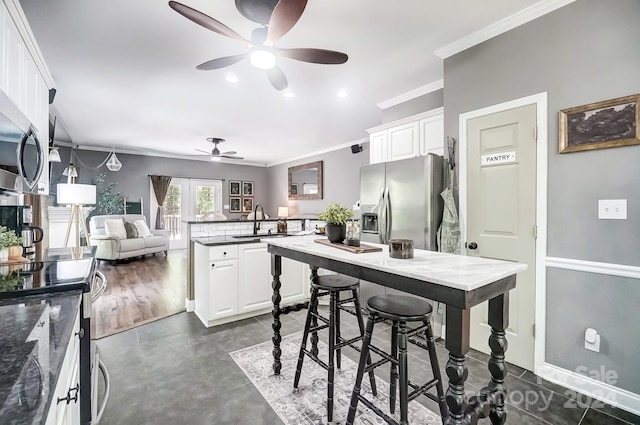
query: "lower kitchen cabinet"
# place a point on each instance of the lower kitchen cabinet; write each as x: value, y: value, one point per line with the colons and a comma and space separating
x: 65, y: 403
x: 238, y: 284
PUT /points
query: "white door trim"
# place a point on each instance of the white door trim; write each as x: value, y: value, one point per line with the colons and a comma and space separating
x: 540, y: 100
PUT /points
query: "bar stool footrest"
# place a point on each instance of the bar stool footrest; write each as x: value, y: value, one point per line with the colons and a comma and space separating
x: 320, y: 318
x: 344, y: 342
x: 318, y: 328
x: 418, y: 390
x: 316, y: 359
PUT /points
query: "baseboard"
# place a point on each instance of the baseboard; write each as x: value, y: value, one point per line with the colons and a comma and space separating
x: 575, y: 382
x: 190, y: 305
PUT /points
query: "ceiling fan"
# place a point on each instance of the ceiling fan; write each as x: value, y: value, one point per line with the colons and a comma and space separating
x: 215, y: 154
x: 262, y: 53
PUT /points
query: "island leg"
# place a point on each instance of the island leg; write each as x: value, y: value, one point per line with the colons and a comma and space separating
x: 314, y: 320
x: 276, y: 271
x: 457, y: 343
x: 499, y: 321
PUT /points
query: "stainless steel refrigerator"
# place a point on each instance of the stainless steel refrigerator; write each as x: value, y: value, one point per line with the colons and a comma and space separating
x: 401, y: 199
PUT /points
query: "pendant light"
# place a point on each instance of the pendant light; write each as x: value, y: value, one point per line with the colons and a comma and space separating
x: 54, y: 155
x: 114, y: 163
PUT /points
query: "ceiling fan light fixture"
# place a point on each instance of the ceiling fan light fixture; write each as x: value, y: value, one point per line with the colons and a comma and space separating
x: 114, y: 163
x: 262, y: 59
x: 215, y: 158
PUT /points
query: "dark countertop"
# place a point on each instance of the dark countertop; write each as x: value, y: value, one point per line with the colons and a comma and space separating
x: 34, y: 334
x: 240, y: 221
x: 228, y: 240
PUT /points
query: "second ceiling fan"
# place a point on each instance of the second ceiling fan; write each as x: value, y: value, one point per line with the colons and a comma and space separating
x: 262, y: 52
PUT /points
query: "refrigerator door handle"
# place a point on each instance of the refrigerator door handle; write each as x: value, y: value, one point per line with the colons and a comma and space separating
x: 387, y: 215
x: 381, y: 211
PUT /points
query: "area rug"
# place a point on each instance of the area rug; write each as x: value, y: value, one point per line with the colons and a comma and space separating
x: 307, y: 404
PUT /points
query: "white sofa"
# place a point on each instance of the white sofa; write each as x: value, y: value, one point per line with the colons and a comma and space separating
x: 113, y: 248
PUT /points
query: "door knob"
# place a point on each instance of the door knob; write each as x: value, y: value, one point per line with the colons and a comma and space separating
x: 472, y: 245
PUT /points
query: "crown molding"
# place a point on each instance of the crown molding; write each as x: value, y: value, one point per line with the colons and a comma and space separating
x: 310, y: 154
x: 420, y: 91
x: 506, y: 24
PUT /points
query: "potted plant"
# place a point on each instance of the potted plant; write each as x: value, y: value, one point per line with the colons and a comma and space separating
x: 336, y: 216
x: 9, y: 241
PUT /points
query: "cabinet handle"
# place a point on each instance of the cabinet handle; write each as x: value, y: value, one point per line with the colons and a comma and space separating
x: 80, y: 333
x: 68, y: 398
x: 213, y: 265
x: 41, y: 324
x: 224, y: 253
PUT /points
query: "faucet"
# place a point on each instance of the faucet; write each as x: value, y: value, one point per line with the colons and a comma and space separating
x: 256, y: 225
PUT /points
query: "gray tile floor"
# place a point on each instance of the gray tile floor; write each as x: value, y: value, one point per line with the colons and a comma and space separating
x: 175, y: 371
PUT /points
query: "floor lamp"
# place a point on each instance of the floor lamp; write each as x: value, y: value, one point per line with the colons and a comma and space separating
x: 76, y: 195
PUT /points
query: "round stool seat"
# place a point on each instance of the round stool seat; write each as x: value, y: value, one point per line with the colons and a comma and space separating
x: 335, y: 282
x: 400, y: 307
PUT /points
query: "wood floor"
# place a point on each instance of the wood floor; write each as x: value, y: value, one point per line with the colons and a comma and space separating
x: 140, y: 291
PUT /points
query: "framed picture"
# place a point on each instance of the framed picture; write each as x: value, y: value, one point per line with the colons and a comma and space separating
x: 234, y: 188
x: 599, y: 125
x: 235, y: 205
x: 247, y: 188
x: 247, y: 205
x: 294, y: 188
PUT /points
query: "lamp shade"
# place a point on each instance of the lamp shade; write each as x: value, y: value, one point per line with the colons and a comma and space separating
x: 83, y: 194
x: 114, y: 163
x: 283, y: 211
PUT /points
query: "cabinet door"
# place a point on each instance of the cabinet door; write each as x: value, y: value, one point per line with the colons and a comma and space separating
x: 432, y: 135
x: 295, y: 281
x: 14, y: 51
x: 223, y: 285
x: 403, y: 141
x: 4, y: 15
x: 71, y: 415
x: 378, y: 147
x: 255, y: 277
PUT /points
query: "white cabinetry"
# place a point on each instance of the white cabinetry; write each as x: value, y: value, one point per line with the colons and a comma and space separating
x: 412, y: 136
x: 24, y: 77
x: 216, y: 282
x: 65, y: 402
x: 233, y: 282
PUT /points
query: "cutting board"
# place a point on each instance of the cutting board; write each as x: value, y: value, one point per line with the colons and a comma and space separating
x: 355, y: 249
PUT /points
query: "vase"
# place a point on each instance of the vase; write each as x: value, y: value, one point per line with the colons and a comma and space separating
x: 15, y: 251
x: 336, y: 232
x: 4, y: 254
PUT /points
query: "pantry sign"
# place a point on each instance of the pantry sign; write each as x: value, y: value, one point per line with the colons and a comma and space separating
x: 499, y: 158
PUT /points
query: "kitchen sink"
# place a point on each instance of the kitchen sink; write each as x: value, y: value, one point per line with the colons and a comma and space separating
x: 273, y: 235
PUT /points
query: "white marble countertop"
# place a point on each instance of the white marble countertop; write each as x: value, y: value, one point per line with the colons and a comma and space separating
x: 454, y: 271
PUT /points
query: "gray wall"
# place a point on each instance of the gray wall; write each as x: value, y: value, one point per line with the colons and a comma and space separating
x: 581, y: 53
x: 341, y: 181
x: 133, y: 177
x: 420, y: 104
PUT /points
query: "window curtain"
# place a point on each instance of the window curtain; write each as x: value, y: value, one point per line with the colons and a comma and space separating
x: 160, y: 189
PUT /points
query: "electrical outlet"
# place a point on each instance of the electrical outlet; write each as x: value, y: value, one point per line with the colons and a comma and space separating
x: 612, y: 209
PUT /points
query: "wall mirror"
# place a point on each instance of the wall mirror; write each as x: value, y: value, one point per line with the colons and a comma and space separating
x: 305, y: 181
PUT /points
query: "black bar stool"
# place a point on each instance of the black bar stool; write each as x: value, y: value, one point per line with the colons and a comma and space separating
x: 399, y: 309
x: 331, y: 285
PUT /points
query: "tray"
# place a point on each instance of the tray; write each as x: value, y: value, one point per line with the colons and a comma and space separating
x: 355, y: 249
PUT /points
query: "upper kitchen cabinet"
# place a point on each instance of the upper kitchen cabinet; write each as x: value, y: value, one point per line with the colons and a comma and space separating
x: 24, y: 76
x: 412, y: 136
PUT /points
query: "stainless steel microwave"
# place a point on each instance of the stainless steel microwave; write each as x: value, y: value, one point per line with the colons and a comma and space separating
x: 21, y: 152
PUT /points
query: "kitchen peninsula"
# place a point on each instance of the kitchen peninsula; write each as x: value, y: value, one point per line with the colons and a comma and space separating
x: 458, y: 281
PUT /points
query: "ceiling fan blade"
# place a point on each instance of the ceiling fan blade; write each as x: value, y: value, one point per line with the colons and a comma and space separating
x: 229, y: 153
x: 220, y: 62
x: 322, y: 56
x: 284, y: 17
x: 277, y: 78
x: 207, y: 152
x: 206, y: 21
x: 231, y: 157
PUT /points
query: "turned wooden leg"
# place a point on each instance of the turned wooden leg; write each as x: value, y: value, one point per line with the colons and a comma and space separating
x: 276, y: 270
x: 499, y: 321
x: 314, y: 320
x: 305, y: 335
x: 457, y: 342
x: 393, y: 370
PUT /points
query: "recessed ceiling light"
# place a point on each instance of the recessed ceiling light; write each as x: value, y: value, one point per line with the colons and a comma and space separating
x: 342, y: 94
x: 289, y: 94
x: 232, y: 79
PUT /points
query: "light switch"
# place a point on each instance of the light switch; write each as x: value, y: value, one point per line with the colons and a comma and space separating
x: 612, y: 209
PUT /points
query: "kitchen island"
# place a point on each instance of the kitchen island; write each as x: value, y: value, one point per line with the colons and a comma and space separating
x: 458, y: 281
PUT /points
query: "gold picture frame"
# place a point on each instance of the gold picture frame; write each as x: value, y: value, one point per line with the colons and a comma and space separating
x: 606, y: 124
